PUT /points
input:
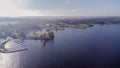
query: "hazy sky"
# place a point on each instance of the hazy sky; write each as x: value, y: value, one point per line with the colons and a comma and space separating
x: 59, y: 7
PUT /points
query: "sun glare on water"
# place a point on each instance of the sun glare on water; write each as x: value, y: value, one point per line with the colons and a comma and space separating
x: 8, y: 9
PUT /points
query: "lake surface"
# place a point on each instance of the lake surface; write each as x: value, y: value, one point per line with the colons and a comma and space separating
x: 95, y: 47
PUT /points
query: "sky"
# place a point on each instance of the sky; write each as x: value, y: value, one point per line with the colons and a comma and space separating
x: 59, y: 8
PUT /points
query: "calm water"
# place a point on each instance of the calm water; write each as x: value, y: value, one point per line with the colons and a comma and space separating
x: 95, y: 47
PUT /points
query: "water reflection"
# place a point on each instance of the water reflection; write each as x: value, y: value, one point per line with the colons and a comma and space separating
x: 11, y: 60
x: 44, y: 42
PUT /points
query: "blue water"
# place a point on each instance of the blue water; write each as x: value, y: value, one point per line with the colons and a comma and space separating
x: 95, y: 47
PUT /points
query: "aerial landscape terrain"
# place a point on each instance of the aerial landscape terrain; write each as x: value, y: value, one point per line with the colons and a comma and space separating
x: 59, y: 34
x: 92, y: 40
